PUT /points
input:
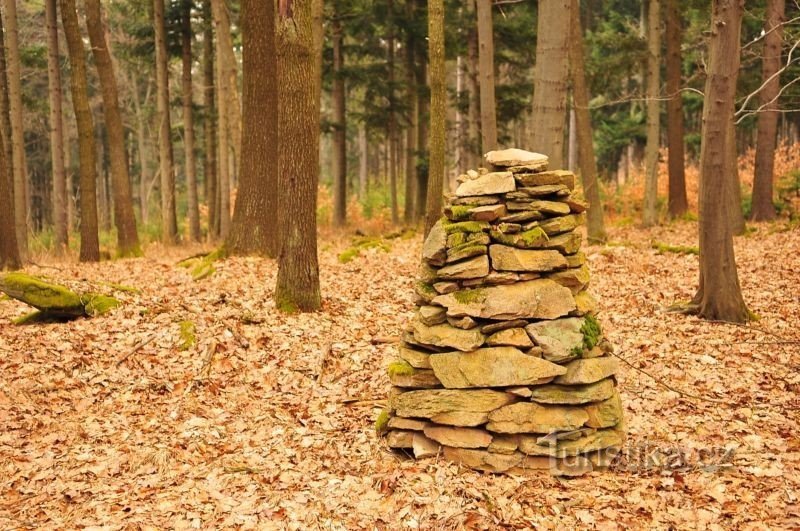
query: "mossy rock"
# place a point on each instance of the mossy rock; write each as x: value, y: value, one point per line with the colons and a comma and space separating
x: 45, y: 296
x: 187, y: 335
x: 97, y: 304
x: 466, y: 226
x: 382, y: 422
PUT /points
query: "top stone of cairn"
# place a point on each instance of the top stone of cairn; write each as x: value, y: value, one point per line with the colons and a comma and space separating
x: 508, y: 158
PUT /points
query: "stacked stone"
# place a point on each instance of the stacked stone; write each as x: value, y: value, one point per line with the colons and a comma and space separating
x: 504, y: 367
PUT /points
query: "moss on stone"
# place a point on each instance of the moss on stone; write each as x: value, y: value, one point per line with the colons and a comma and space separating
x: 533, y: 236
x: 469, y: 296
x: 187, y: 335
x: 677, y: 249
x: 45, y: 296
x: 382, y: 422
x: 97, y: 304
x: 426, y: 288
x: 465, y: 226
x: 362, y: 243
x: 460, y: 212
x: 591, y: 332
x: 29, y: 318
x: 399, y: 368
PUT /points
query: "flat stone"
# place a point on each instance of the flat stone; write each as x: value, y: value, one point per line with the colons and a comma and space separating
x: 599, y: 440
x: 529, y: 276
x: 409, y: 340
x: 560, y: 339
x: 575, y: 260
x: 504, y: 444
x: 491, y: 367
x: 456, y: 239
x: 481, y: 459
x: 568, y: 243
x: 515, y: 157
x: 444, y: 335
x: 431, y: 315
x: 519, y: 217
x: 573, y: 394
x: 487, y: 184
x: 400, y: 439
x: 586, y: 371
x: 534, y: 238
x: 549, y: 207
x: 494, y: 278
x: 424, y: 292
x: 401, y: 423
x: 605, y: 414
x: 576, y: 204
x: 459, y: 437
x: 584, y: 303
x: 430, y: 403
x: 445, y: 287
x: 567, y: 467
x: 466, y: 419
x: 434, y: 249
x: 465, y: 250
x: 509, y: 228
x: 425, y: 272
x: 529, y: 417
x: 512, y: 337
x: 507, y: 258
x: 475, y: 201
x: 562, y: 224
x: 424, y: 447
x: 543, y: 190
x: 503, y: 325
x: 473, y: 268
x: 418, y: 379
x: 488, y: 212
x: 524, y: 392
x: 467, y: 227
x: 534, y: 299
x: 575, y: 278
x: 464, y: 323
x: 567, y: 178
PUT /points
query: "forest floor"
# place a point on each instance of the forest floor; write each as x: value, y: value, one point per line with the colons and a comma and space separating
x: 267, y: 420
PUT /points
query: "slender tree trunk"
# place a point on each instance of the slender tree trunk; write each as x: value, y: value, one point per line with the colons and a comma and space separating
x: 678, y: 204
x: 363, y: 161
x: 188, y: 122
x: 473, y: 89
x: 412, y: 129
x: 550, y: 80
x: 763, y: 207
x: 299, y: 55
x: 423, y: 99
x: 9, y: 250
x: 18, y: 165
x: 438, y: 113
x: 169, y: 220
x: 255, y: 214
x: 595, y: 226
x: 87, y: 150
x: 391, y: 128
x: 339, y: 128
x: 653, y: 112
x: 736, y: 212
x: 56, y: 128
x: 124, y: 219
x: 719, y: 296
x: 224, y: 113
x: 572, y: 136
x: 227, y: 66
x: 486, y: 75
x: 142, y: 148
x: 209, y: 124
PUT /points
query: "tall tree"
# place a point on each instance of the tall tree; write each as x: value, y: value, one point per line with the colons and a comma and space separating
x: 169, y: 220
x: 255, y: 215
x: 87, y: 150
x: 391, y: 129
x: 423, y: 101
x: 413, y: 123
x: 188, y: 121
x: 438, y: 112
x: 486, y: 76
x: 719, y: 295
x: 224, y: 112
x: 299, y: 56
x: 9, y: 250
x: 763, y: 207
x: 210, y: 175
x: 678, y: 204
x: 550, y: 80
x: 595, y: 226
x: 56, y: 128
x: 124, y: 219
x: 653, y: 112
x: 18, y: 165
x: 228, y: 68
x: 339, y: 125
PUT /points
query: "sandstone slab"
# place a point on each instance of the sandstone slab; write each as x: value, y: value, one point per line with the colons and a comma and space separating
x: 560, y: 339
x: 511, y: 337
x: 507, y: 258
x: 434, y: 249
x: 424, y: 447
x: 529, y: 417
x: 432, y: 315
x: 459, y: 437
x: 586, y: 371
x: 515, y: 157
x: 491, y: 367
x: 575, y: 278
x: 482, y: 460
x: 574, y: 394
x: 567, y: 178
x: 605, y: 414
x: 561, y: 224
x: 444, y: 336
x: 473, y: 268
x: 401, y: 423
x: 430, y: 403
x: 487, y: 184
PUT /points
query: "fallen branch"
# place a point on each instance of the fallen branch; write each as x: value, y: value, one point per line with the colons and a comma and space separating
x: 136, y: 349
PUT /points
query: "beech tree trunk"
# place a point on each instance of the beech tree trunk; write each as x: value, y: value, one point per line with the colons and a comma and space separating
x: 13, y: 69
x: 227, y: 66
x: 595, y: 227
x: 473, y: 105
x: 193, y: 208
x: 224, y: 113
x: 550, y: 80
x: 56, y: 129
x: 363, y: 161
x: 339, y: 128
x: 391, y: 128
x: 169, y: 220
x: 736, y: 212
x: 299, y: 56
x: 763, y: 207
x: 650, y: 217
x: 9, y: 250
x: 255, y: 214
x: 438, y: 112
x: 412, y: 129
x: 423, y: 100
x: 87, y: 150
x: 209, y: 124
x: 719, y: 296
x: 124, y: 219
x: 486, y: 76
x: 678, y: 204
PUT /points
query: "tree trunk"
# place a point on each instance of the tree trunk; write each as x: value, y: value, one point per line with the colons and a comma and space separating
x: 339, y: 128
x: 391, y: 125
x: 719, y: 296
x: 209, y: 124
x: 486, y: 76
x: 438, y: 112
x: 473, y: 91
x: 678, y: 204
x: 227, y: 66
x: 188, y: 122
x: 255, y: 214
x: 736, y: 212
x: 18, y: 165
x: 550, y: 80
x: 9, y: 249
x: 87, y: 150
x: 412, y: 129
x: 572, y: 135
x: 650, y: 217
x: 363, y: 161
x: 169, y: 221
x: 763, y: 207
x: 124, y: 219
x: 423, y: 100
x: 595, y: 227
x: 223, y: 116
x: 56, y: 129
x: 299, y: 55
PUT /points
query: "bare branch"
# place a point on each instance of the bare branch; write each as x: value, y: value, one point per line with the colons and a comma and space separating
x: 747, y: 99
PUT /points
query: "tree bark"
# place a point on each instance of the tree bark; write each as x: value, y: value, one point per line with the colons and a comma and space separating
x: 473, y: 90
x: 391, y: 124
x: 87, y: 150
x: 223, y: 116
x: 169, y: 221
x: 650, y: 217
x: 255, y: 214
x: 299, y: 56
x: 486, y: 76
x: 227, y: 65
x: 363, y: 161
x: 596, y: 231
x: 438, y: 112
x: 124, y: 219
x: 18, y: 165
x: 56, y: 129
x: 719, y: 296
x: 550, y: 80
x: 763, y: 207
x: 678, y: 204
x: 193, y: 207
x: 9, y: 250
x: 423, y: 100
x: 339, y: 128
x: 732, y: 160
x: 412, y: 128
x: 209, y: 124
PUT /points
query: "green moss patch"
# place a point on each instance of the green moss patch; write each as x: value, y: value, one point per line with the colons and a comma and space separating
x: 399, y: 368
x: 97, y: 304
x: 591, y: 332
x: 469, y: 296
x: 188, y: 335
x: 459, y: 212
x: 533, y: 236
x: 42, y: 295
x: 382, y: 422
x: 676, y: 249
x: 465, y: 226
x: 361, y: 244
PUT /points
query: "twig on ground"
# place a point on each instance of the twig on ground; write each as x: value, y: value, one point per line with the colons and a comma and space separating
x: 381, y: 340
x: 135, y: 349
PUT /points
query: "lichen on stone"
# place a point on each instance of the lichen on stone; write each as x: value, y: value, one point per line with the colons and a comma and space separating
x: 382, y: 422
x: 465, y: 226
x: 187, y: 335
x: 468, y: 296
x: 399, y: 368
x: 96, y: 304
x: 591, y: 332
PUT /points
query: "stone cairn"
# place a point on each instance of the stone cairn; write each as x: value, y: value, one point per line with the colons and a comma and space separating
x: 504, y: 367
